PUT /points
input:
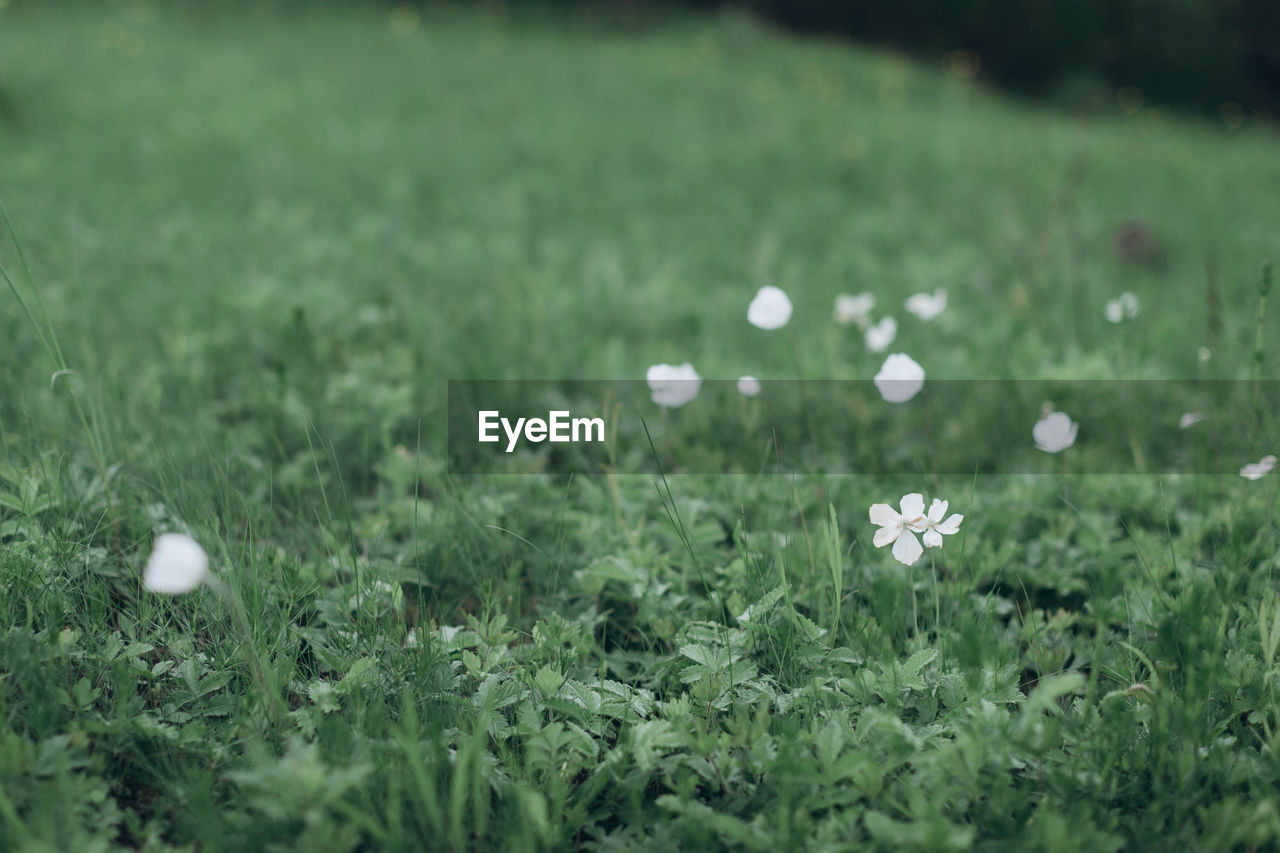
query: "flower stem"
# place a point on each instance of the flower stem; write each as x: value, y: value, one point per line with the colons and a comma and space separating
x: 915, y: 613
x: 937, y: 607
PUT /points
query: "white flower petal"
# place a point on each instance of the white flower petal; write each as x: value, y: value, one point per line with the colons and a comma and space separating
x: 1190, y: 419
x: 907, y: 549
x: 927, y: 306
x: 884, y: 515
x: 900, y: 378
x: 951, y: 525
x: 1258, y: 470
x: 912, y: 506
x: 749, y: 386
x: 1054, y: 432
x: 673, y: 385
x: 937, y: 509
x: 1129, y: 303
x: 771, y: 309
x: 177, y: 564
x: 932, y: 539
x: 880, y: 335
x: 885, y: 535
x: 854, y: 309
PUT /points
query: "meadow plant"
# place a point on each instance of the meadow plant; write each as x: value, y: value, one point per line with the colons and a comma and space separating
x: 900, y: 378
x: 770, y: 309
x: 1054, y: 432
x: 854, y: 309
x: 673, y: 385
x: 927, y: 306
x: 880, y: 335
x: 1258, y: 470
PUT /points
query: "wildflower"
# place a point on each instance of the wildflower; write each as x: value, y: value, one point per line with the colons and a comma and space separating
x: 771, y: 309
x: 854, y: 309
x: 901, y: 528
x: 749, y: 386
x: 882, y: 334
x: 673, y: 385
x: 927, y: 306
x: 177, y: 564
x: 1190, y: 419
x: 1259, y: 469
x: 935, y: 526
x: 1124, y: 308
x: 1054, y: 432
x: 900, y: 378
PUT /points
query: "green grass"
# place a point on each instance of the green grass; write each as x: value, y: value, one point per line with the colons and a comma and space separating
x: 265, y: 242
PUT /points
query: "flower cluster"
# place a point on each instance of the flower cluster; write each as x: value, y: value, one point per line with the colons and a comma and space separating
x: 1121, y: 309
x: 900, y: 528
x: 900, y: 377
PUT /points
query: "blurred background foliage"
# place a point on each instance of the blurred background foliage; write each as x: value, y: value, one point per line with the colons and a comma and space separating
x: 1203, y: 53
x: 1219, y: 56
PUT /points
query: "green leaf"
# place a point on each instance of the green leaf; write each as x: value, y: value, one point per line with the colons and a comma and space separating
x: 1050, y: 689
x: 359, y: 673
x: 920, y: 660
x: 548, y: 680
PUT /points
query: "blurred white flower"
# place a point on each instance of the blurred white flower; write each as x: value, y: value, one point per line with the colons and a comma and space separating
x: 855, y: 309
x: 1124, y: 308
x: 1259, y: 469
x: 900, y: 378
x: 749, y: 386
x: 771, y: 309
x: 901, y: 528
x: 673, y: 384
x: 1190, y: 419
x: 1054, y: 432
x: 935, y: 526
x: 927, y: 306
x: 1204, y: 354
x: 177, y: 564
x: 882, y: 334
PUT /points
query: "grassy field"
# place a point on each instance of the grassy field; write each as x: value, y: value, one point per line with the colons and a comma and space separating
x: 264, y: 242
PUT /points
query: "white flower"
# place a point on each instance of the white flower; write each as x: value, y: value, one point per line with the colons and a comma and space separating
x: 177, y: 564
x: 1054, y: 432
x: 855, y: 309
x: 1126, y: 307
x: 935, y: 526
x: 1259, y: 469
x: 900, y: 378
x: 1190, y: 419
x: 901, y: 528
x: 771, y: 309
x: 673, y: 384
x: 749, y: 386
x: 882, y: 334
x: 927, y: 306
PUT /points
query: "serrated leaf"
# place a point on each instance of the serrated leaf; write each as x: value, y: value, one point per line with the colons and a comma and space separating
x: 920, y: 660
x: 704, y: 655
